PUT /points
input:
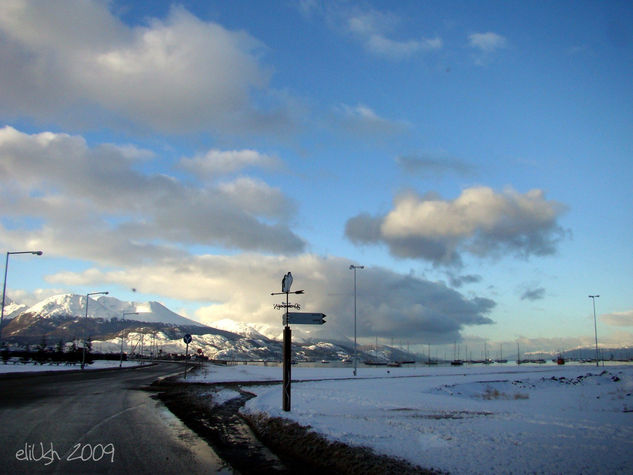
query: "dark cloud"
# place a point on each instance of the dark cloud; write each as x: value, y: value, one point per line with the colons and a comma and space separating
x: 403, y: 306
x: 459, y: 280
x: 363, y: 229
x: 432, y: 165
x: 533, y: 294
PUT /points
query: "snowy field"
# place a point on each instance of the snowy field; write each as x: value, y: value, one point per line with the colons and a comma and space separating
x: 495, y: 419
x: 17, y: 367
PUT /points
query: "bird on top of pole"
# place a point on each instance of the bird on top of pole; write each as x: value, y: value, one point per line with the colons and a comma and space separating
x: 286, y: 282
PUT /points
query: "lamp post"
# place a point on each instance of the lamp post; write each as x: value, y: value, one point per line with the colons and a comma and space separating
x: 4, y: 286
x: 595, y: 325
x: 353, y: 267
x: 83, y: 353
x: 123, y: 318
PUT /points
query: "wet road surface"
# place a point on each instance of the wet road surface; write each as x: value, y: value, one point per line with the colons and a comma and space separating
x: 96, y: 422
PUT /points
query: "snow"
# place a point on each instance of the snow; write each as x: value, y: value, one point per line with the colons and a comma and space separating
x: 222, y: 396
x: 519, y: 419
x: 12, y: 309
x: 244, y: 329
x: 103, y: 307
x: 147, y: 311
x: 16, y: 367
x: 69, y: 305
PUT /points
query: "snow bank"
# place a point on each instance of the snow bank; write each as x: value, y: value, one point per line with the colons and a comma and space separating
x: 572, y: 419
x: 17, y: 367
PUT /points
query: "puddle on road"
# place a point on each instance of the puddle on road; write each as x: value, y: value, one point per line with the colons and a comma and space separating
x: 203, y: 453
x: 213, y: 413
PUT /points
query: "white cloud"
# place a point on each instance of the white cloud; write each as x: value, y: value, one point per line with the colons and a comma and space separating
x: 487, y: 42
x: 89, y: 202
x: 364, y: 121
x: 375, y: 30
x: 388, y: 48
x: 480, y: 221
x: 257, y: 198
x: 222, y: 162
x: 486, y: 45
x: 618, y: 319
x: 372, y: 28
x: 177, y: 74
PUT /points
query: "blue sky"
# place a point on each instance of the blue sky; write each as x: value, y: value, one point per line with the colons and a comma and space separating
x: 475, y: 157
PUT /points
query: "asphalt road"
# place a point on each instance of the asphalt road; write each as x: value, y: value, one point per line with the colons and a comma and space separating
x: 96, y: 422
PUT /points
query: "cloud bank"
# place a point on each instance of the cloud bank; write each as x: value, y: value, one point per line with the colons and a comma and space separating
x: 388, y: 304
x: 90, y: 202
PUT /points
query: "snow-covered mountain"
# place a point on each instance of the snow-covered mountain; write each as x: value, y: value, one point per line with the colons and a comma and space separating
x: 72, y: 305
x: 155, y: 329
x: 247, y: 330
x: 68, y: 305
x: 147, y: 312
x: 12, y: 309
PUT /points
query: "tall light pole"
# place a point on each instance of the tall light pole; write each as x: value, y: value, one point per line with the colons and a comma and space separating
x: 353, y: 267
x: 4, y: 286
x: 83, y: 353
x: 595, y: 325
x: 123, y: 318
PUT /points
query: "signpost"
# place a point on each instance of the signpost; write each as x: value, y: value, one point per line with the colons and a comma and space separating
x: 187, y: 339
x: 297, y: 318
x: 292, y: 318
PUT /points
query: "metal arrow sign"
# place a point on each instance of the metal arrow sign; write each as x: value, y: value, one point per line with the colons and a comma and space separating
x: 299, y: 318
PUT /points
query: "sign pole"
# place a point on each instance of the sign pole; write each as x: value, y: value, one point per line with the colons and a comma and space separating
x: 186, y: 358
x: 187, y: 339
x: 287, y: 368
x: 295, y: 318
x: 287, y: 355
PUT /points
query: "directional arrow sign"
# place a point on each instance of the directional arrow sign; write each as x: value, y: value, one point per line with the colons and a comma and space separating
x: 297, y: 318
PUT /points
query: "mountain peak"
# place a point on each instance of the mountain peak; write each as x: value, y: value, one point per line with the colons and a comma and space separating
x: 244, y: 329
x: 107, y: 308
x: 12, y: 309
x: 68, y: 305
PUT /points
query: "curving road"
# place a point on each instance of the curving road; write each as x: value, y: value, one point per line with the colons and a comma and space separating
x: 96, y: 422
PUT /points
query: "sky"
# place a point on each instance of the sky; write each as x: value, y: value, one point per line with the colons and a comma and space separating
x: 474, y: 157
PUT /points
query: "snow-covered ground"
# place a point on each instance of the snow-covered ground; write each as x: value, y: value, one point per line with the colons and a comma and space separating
x: 496, y: 419
x: 17, y: 367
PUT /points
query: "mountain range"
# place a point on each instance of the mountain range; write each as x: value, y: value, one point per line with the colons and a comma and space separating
x: 150, y: 327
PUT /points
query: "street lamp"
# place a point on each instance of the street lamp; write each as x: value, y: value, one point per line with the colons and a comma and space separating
x: 353, y: 267
x: 123, y: 318
x: 83, y: 353
x: 4, y: 286
x: 595, y: 325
